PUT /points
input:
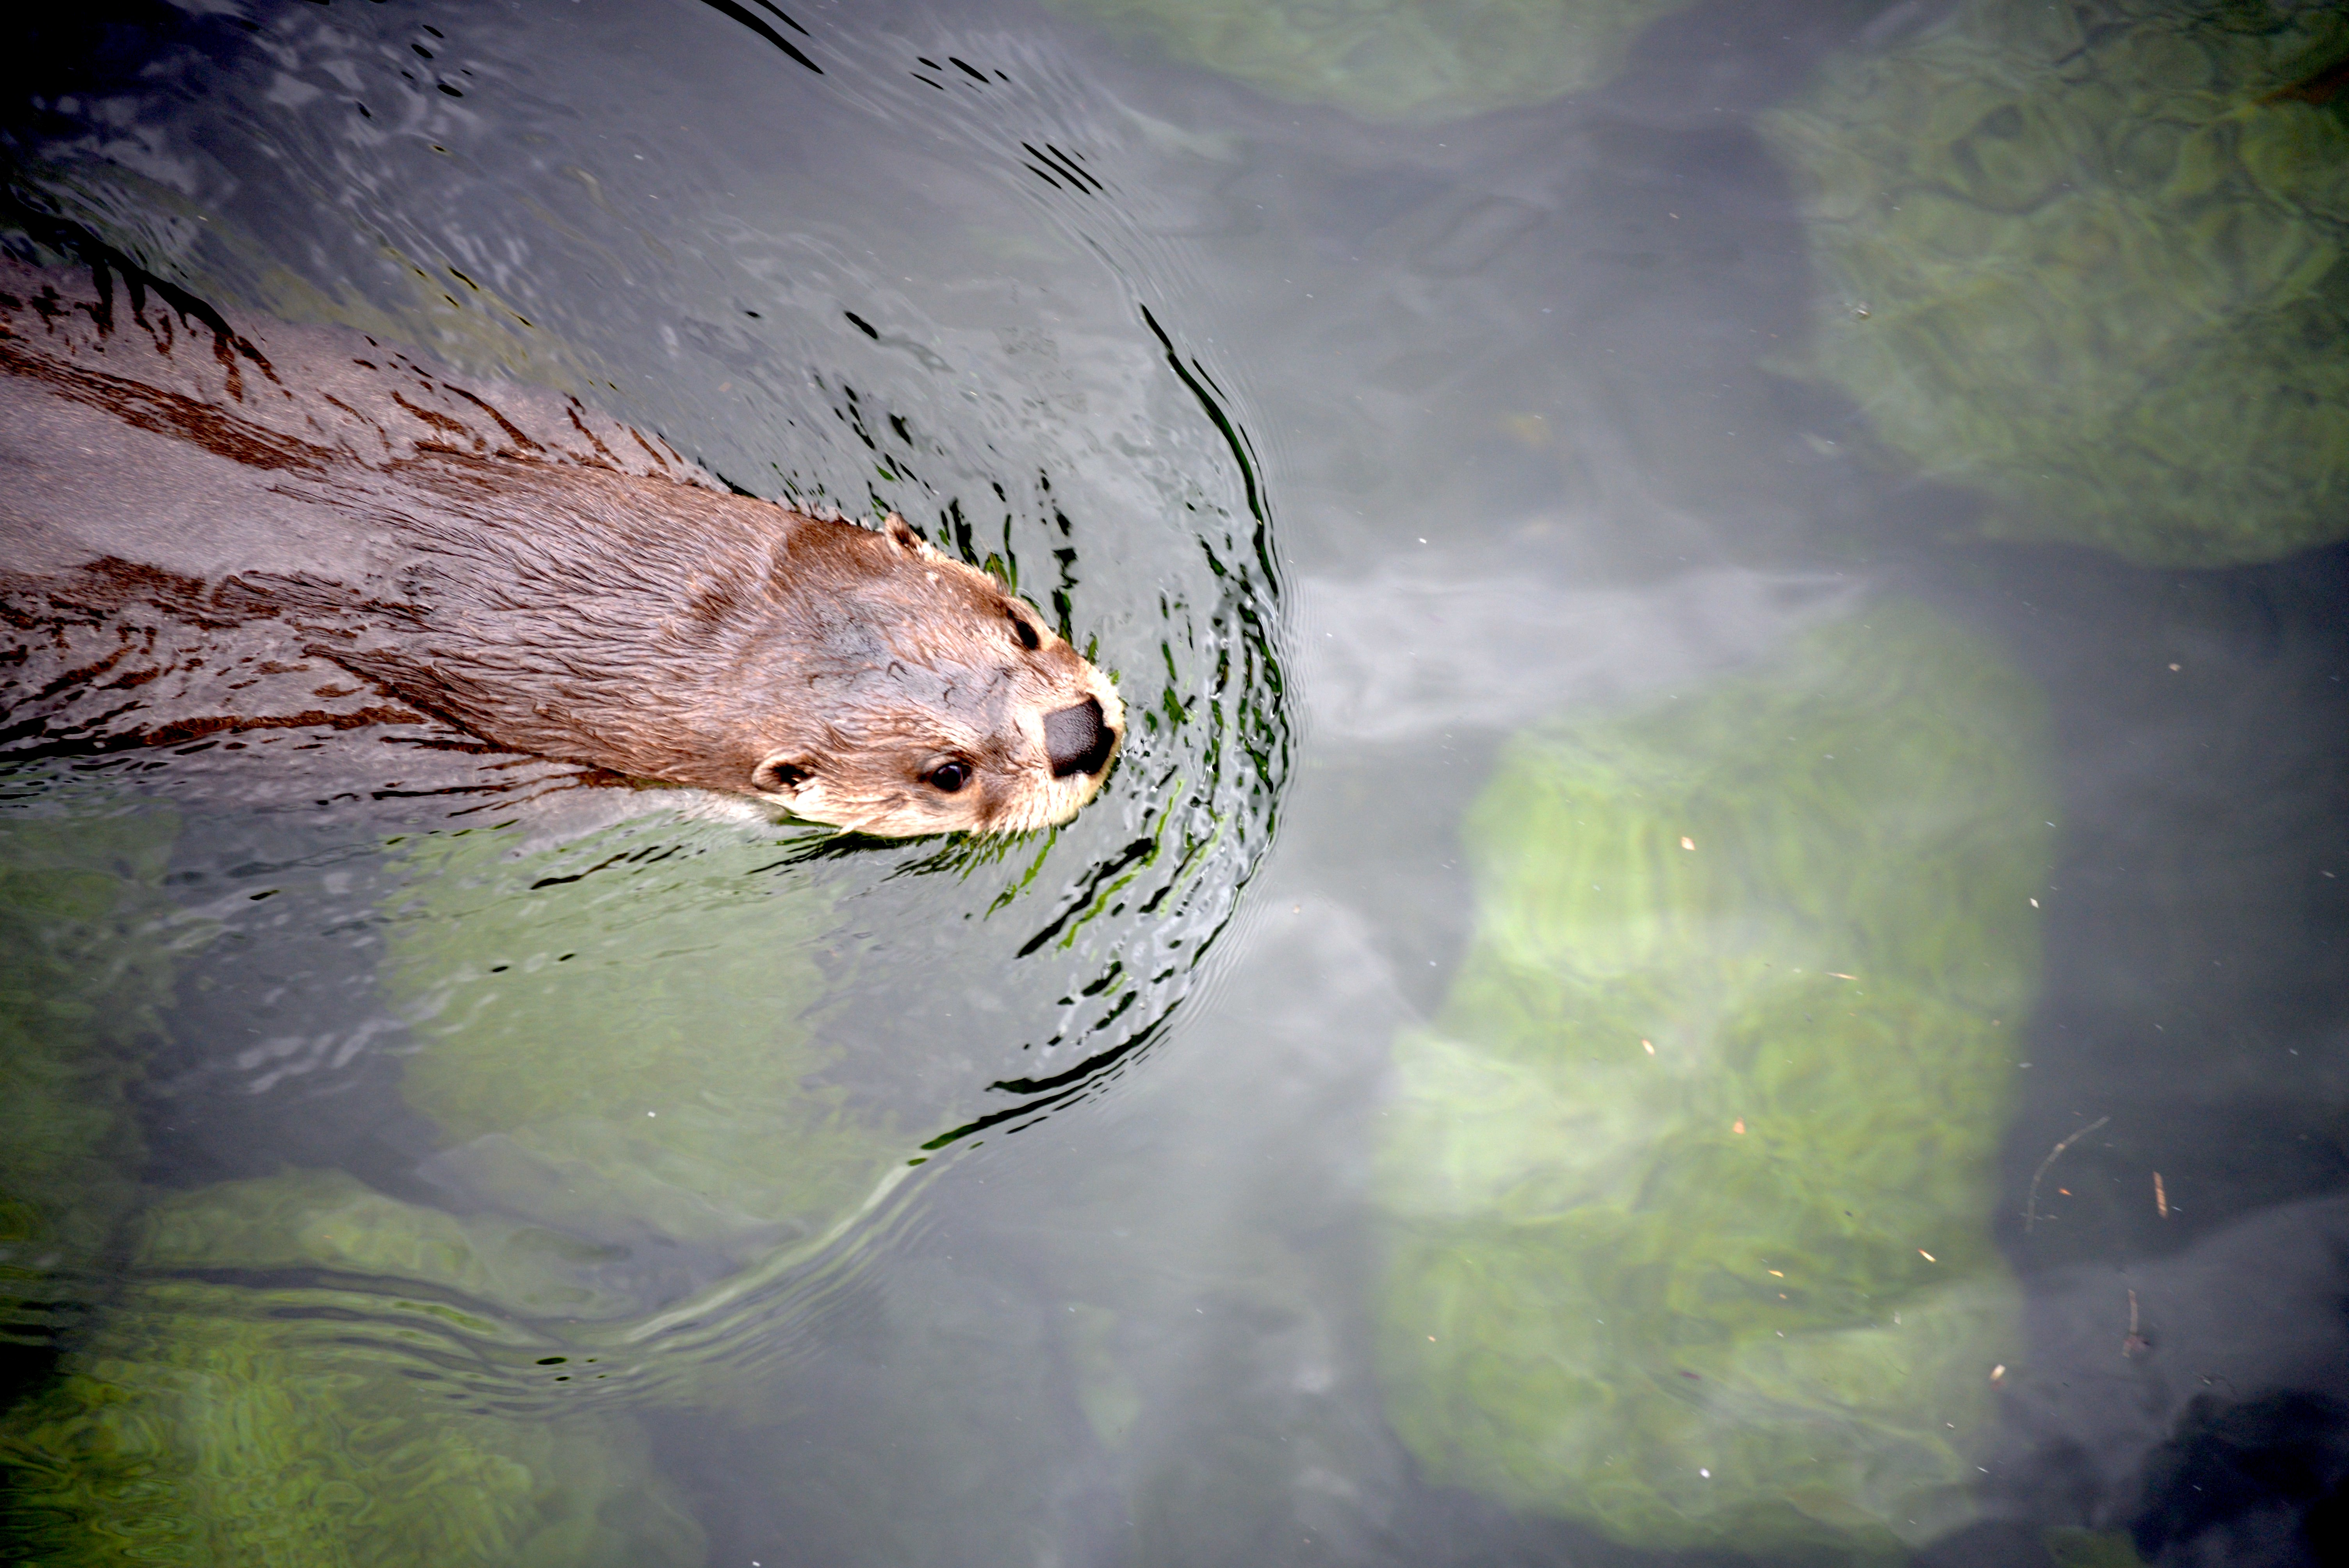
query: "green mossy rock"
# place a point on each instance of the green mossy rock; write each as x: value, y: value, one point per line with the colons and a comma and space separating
x: 209, y: 1423
x: 1412, y: 61
x: 87, y: 956
x: 1615, y: 1268
x: 616, y: 1040
x: 297, y: 1416
x: 330, y: 1222
x: 2099, y: 248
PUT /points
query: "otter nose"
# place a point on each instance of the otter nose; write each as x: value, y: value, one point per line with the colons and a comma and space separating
x: 1076, y: 740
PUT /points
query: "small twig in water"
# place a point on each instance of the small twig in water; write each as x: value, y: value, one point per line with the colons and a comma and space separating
x: 2031, y: 1204
x: 2135, y: 1343
x: 2160, y: 1197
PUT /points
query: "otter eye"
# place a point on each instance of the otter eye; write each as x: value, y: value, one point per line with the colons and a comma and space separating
x: 1027, y: 634
x: 776, y: 776
x: 948, y: 776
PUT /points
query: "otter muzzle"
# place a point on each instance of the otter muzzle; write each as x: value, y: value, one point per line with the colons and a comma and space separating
x: 1077, y: 740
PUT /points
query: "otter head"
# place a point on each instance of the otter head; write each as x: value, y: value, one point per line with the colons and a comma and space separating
x: 911, y: 694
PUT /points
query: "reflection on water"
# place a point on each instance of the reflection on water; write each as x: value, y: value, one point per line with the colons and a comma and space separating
x: 1397, y: 401
x: 1407, y: 656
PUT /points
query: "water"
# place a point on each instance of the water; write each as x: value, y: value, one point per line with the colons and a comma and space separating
x: 646, y: 1185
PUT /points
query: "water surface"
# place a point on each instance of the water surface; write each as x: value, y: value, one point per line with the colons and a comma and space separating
x: 774, y: 1200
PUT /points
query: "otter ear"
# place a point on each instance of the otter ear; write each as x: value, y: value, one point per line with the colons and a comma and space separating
x: 781, y: 774
x: 902, y: 534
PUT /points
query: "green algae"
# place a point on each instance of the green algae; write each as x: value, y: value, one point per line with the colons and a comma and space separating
x: 1411, y: 61
x: 2088, y: 258
x: 1689, y: 1184
x: 211, y: 1423
x: 281, y: 1382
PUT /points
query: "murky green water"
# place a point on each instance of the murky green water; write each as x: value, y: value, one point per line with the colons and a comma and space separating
x: 1721, y: 937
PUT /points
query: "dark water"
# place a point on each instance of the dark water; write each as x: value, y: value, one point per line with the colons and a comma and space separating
x: 442, y: 1175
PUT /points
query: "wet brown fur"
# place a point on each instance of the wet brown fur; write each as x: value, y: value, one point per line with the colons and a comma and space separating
x: 505, y: 559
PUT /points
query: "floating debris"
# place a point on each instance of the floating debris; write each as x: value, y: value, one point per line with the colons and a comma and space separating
x: 2031, y: 1203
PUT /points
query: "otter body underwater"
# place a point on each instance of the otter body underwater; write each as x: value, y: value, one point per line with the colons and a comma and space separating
x: 201, y: 516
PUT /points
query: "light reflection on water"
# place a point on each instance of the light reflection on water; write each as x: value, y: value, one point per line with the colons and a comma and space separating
x: 1016, y: 1222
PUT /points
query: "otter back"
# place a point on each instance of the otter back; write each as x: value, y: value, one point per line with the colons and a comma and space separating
x: 204, y: 515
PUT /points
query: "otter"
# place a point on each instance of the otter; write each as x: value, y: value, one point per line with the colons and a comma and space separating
x: 189, y: 495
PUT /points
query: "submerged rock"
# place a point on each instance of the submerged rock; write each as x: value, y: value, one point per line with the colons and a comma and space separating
x: 211, y: 1423
x: 1413, y: 61
x: 86, y: 957
x: 1690, y: 1184
x: 2089, y: 258
x: 616, y: 1040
